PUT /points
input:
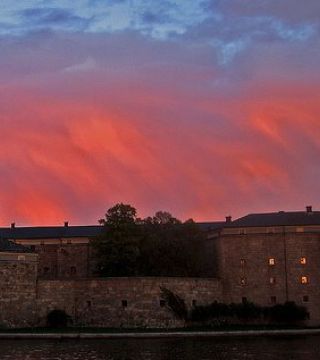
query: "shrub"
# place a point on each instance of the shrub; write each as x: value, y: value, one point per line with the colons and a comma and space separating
x: 174, y: 303
x: 58, y: 319
x: 287, y: 313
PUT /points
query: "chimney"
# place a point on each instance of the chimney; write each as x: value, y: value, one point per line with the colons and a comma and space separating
x: 66, y: 224
x: 228, y: 219
x: 13, y: 225
x: 309, y: 209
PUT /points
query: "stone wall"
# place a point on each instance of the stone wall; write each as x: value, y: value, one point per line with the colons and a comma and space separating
x: 246, y: 273
x: 18, y: 274
x: 122, y: 302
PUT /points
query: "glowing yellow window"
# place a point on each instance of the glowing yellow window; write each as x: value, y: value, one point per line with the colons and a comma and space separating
x: 272, y: 261
x: 304, y: 280
x: 303, y: 260
x: 243, y: 281
x: 272, y: 280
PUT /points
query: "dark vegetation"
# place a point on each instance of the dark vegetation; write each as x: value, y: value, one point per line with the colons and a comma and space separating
x: 219, y: 314
x: 155, y: 246
x: 58, y: 319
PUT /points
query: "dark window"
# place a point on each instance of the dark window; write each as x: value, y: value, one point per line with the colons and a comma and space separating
x: 89, y: 303
x: 244, y: 300
x: 124, y: 303
x: 33, y: 247
x: 305, y: 298
x: 194, y: 302
x: 273, y: 299
x: 73, y: 270
x: 46, y: 270
x: 162, y: 303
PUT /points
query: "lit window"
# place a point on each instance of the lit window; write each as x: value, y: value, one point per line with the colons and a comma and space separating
x: 272, y: 261
x: 242, y: 262
x: 273, y: 299
x: 303, y: 260
x: 243, y: 281
x: 21, y: 258
x: 304, y: 280
x: 272, y: 280
x: 300, y: 229
x: 305, y: 298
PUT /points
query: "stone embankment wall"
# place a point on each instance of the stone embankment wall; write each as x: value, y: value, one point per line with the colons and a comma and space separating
x: 122, y: 302
x: 106, y: 302
x: 18, y: 277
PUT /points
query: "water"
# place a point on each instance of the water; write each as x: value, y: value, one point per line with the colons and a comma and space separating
x: 293, y: 348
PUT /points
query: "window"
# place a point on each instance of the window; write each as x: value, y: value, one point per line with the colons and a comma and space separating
x: 124, y: 303
x: 272, y: 280
x: 73, y: 270
x: 244, y: 300
x: 46, y: 270
x: 33, y: 247
x: 194, y: 302
x: 305, y: 298
x: 304, y: 280
x: 21, y: 258
x: 243, y: 281
x: 303, y: 260
x: 89, y: 303
x: 162, y: 303
x: 242, y: 262
x: 242, y: 231
x: 300, y: 229
x: 273, y: 299
x: 272, y: 261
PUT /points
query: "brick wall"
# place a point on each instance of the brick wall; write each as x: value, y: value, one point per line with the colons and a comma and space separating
x: 17, y: 289
x: 101, y: 302
x: 246, y: 273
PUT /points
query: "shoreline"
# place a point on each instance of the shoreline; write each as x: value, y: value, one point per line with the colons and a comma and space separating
x: 156, y: 335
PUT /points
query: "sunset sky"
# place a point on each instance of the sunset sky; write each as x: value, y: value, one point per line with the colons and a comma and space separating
x: 203, y: 108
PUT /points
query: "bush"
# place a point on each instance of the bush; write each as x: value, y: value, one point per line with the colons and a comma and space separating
x: 175, y: 303
x: 287, y: 313
x: 58, y: 319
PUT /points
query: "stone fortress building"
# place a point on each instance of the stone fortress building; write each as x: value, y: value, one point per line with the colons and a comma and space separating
x: 264, y: 258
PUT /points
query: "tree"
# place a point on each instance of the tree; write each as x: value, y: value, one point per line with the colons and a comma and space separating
x: 117, y: 248
x: 156, y: 246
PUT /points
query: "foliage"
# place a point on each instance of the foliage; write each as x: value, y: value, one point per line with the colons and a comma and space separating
x: 156, y: 246
x: 58, y: 319
x: 287, y: 313
x: 174, y: 303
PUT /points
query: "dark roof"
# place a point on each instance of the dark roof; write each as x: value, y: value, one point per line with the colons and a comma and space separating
x: 47, y: 232
x: 281, y: 218
x: 6, y: 245
x: 209, y: 226
x: 53, y: 232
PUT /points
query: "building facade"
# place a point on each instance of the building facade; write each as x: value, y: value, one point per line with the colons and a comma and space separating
x: 264, y: 258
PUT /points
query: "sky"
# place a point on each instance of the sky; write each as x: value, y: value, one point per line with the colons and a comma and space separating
x: 203, y: 108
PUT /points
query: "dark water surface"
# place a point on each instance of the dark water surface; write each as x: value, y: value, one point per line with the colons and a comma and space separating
x: 293, y: 348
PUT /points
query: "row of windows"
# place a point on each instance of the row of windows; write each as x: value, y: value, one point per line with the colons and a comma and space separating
x: 72, y: 270
x: 272, y: 280
x: 273, y: 299
x: 124, y: 303
x: 272, y: 261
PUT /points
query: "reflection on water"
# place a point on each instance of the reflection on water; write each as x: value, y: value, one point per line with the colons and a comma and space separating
x: 306, y: 348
